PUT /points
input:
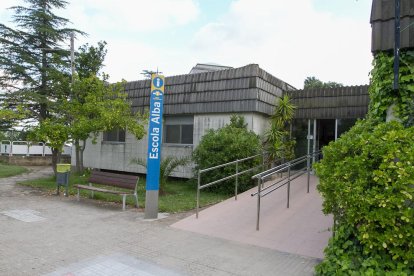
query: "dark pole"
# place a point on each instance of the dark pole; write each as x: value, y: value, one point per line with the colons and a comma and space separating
x: 72, y: 55
x: 397, y: 32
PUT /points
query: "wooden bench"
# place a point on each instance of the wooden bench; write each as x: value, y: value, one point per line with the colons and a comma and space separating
x: 124, y: 181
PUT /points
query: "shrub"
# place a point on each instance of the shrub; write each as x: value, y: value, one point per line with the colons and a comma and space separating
x: 167, y: 166
x: 367, y: 182
x: 224, y: 145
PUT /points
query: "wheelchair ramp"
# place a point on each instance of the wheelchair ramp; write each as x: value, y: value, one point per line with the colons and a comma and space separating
x: 302, y: 229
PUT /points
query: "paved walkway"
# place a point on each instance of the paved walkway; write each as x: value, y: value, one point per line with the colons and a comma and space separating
x: 302, y: 229
x: 50, y: 235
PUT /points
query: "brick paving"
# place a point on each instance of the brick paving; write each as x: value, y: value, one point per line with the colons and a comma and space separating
x: 87, y: 238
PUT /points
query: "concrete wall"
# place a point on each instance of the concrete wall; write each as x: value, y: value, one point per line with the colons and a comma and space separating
x: 22, y: 160
x: 256, y: 122
x: 117, y: 156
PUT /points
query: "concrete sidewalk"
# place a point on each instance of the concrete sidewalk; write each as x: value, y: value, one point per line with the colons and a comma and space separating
x: 46, y: 235
x: 302, y: 229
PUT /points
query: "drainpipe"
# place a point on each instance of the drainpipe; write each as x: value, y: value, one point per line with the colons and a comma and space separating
x: 397, y: 31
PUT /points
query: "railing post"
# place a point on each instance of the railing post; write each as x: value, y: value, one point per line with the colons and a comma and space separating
x: 288, y: 187
x: 258, y: 202
x: 308, y: 168
x: 237, y: 179
x: 198, y: 193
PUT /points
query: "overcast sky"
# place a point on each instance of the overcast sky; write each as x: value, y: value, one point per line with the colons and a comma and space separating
x: 328, y: 39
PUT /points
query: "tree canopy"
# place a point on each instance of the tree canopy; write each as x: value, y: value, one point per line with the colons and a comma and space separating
x: 313, y: 82
x: 38, y: 85
x: 33, y: 63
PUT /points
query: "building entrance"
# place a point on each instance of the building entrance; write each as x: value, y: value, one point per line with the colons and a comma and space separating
x: 325, y: 132
x: 313, y: 134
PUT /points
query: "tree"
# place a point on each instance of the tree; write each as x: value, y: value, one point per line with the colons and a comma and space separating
x: 35, y: 68
x: 30, y: 56
x: 95, y: 105
x: 55, y: 132
x: 10, y: 117
x: 89, y: 59
x: 312, y: 82
x: 88, y: 63
x: 278, y: 142
x: 98, y: 106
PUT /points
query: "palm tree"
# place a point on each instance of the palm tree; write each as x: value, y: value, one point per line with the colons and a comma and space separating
x: 167, y: 166
x: 278, y: 142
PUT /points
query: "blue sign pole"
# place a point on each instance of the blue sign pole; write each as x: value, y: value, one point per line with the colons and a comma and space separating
x: 154, y: 146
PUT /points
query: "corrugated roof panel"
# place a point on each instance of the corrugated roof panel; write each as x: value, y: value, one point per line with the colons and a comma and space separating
x: 232, y: 90
x: 382, y: 23
x: 383, y: 10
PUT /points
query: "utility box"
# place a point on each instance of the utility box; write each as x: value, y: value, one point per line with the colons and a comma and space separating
x: 62, y: 177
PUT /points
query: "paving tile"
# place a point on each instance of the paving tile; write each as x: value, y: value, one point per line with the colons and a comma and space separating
x: 82, y: 238
x: 24, y: 215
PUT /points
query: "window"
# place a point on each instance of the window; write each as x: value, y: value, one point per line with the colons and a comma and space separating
x: 343, y: 125
x: 179, y: 130
x: 115, y: 135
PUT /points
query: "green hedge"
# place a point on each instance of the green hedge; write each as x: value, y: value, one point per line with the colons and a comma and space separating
x: 367, y: 182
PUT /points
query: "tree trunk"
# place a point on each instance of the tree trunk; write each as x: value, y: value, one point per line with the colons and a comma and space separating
x: 77, y: 156
x: 82, y: 150
x: 55, y: 159
x: 43, y: 85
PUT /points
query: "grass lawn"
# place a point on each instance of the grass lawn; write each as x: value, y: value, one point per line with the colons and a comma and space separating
x: 10, y: 170
x: 179, y: 196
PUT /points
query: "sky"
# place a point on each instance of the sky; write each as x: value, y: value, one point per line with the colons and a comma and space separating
x: 292, y: 40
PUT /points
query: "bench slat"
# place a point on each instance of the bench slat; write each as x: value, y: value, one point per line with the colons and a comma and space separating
x: 96, y: 189
x: 115, y: 180
x: 118, y: 175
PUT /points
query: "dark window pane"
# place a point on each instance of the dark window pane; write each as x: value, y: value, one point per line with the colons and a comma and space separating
x: 115, y: 135
x: 300, y: 133
x: 121, y: 135
x: 110, y: 135
x: 186, y: 134
x: 344, y: 125
x: 172, y: 134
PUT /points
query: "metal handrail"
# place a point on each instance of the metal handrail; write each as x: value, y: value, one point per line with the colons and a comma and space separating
x: 229, y: 163
x: 235, y: 175
x: 263, y: 191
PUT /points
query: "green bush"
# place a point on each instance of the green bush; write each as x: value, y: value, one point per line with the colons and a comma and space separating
x: 367, y: 182
x: 224, y: 145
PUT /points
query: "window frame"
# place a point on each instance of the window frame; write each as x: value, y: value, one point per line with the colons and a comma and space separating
x: 179, y: 121
x: 119, y: 134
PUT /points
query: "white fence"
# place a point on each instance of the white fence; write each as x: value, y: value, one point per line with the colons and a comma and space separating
x: 29, y: 149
